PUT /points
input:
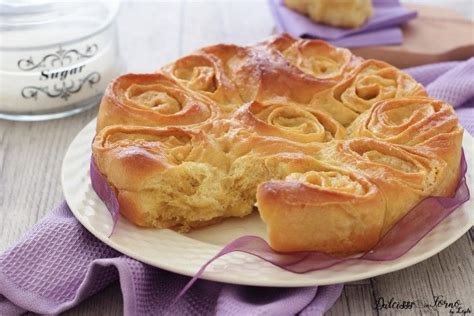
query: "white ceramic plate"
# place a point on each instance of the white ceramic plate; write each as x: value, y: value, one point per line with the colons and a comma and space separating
x: 186, y: 253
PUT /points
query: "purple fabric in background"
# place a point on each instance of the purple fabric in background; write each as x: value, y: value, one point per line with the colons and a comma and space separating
x: 381, y: 29
x: 59, y: 264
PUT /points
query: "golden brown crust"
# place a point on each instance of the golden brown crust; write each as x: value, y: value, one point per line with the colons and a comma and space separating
x: 374, y: 81
x: 395, y: 170
x: 334, y: 149
x: 320, y: 59
x: 326, y: 209
x: 205, y: 74
x: 291, y: 122
x: 430, y: 125
x: 151, y: 100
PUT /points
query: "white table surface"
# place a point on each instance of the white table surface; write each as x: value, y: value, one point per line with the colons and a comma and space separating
x: 152, y: 34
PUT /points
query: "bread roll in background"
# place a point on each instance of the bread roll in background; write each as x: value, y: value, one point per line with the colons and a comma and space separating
x: 340, y: 13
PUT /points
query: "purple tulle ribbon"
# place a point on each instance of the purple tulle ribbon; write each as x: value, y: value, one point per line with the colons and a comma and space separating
x: 405, y: 234
x: 105, y: 193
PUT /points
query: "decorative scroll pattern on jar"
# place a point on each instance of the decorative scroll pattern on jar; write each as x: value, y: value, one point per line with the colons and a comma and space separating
x: 56, y: 58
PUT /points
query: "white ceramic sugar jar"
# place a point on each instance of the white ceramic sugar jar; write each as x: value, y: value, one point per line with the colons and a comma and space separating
x: 56, y: 57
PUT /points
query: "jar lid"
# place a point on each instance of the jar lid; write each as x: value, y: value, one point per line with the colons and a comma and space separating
x: 27, y: 24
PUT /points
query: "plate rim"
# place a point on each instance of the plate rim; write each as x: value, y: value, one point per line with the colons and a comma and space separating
x: 404, y: 261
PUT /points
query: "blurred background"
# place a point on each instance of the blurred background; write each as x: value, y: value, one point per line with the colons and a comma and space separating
x: 176, y: 28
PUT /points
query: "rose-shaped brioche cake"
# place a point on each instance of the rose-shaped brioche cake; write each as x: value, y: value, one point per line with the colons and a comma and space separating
x: 331, y: 149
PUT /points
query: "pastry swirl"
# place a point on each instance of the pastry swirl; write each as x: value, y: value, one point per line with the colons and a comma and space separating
x: 319, y: 59
x: 409, y: 121
x: 394, y: 169
x: 373, y: 81
x: 331, y: 148
x: 290, y: 122
x: 151, y: 100
x: 417, y: 122
x: 344, y: 204
x: 204, y: 74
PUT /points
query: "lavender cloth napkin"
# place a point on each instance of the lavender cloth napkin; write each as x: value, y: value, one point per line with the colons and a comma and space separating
x: 381, y: 29
x: 58, y: 263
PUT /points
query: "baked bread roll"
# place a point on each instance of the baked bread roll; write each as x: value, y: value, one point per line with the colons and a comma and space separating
x: 332, y: 149
x: 341, y: 13
x: 292, y: 122
x: 319, y: 59
x: 397, y: 171
x: 370, y: 82
x: 204, y: 74
x: 419, y: 122
x: 151, y: 100
x: 162, y: 176
x: 330, y: 209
